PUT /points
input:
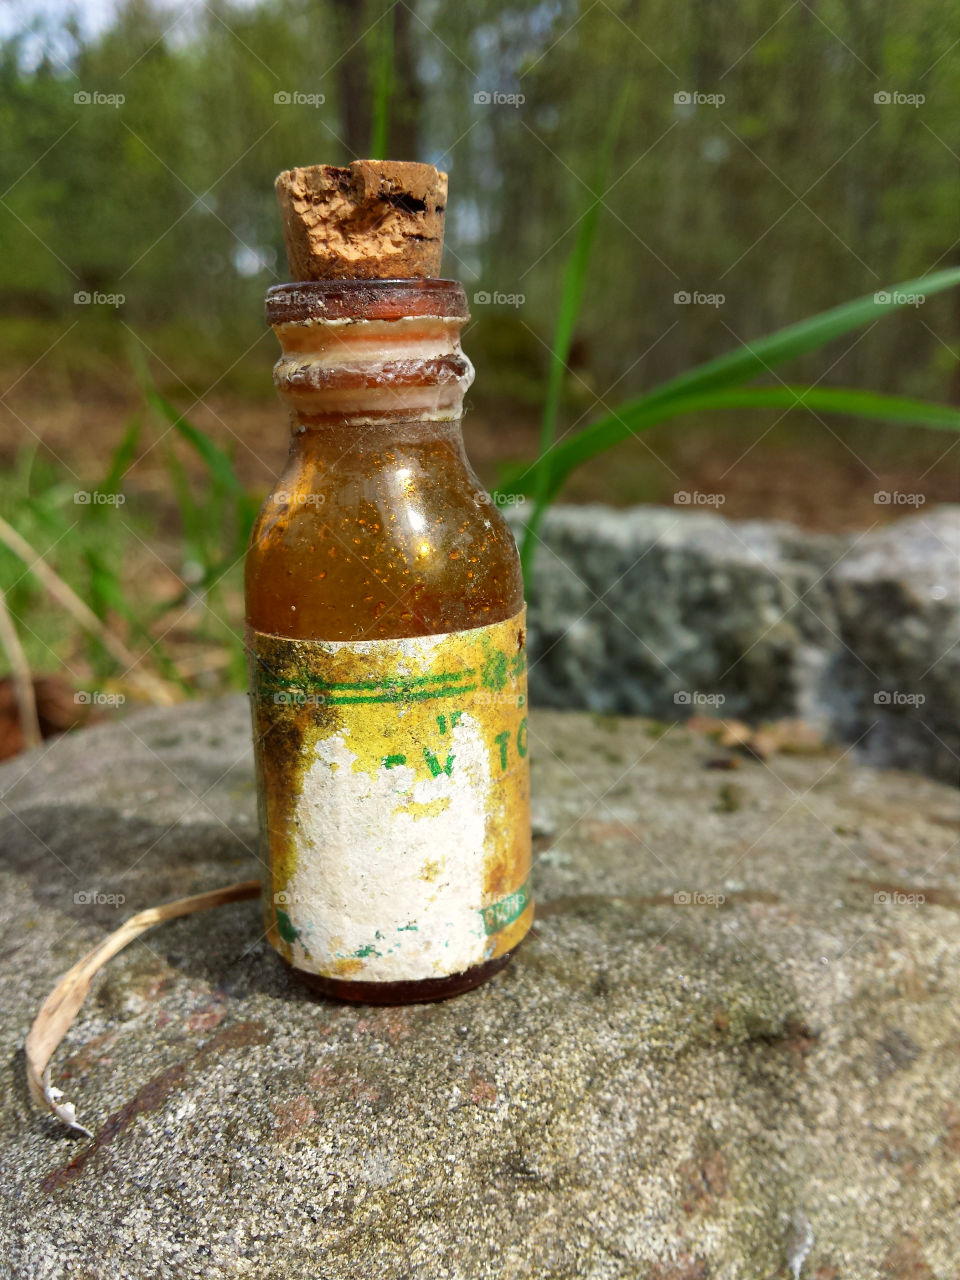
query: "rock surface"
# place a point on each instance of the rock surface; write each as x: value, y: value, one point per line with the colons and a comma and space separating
x: 729, y: 1052
x: 661, y: 612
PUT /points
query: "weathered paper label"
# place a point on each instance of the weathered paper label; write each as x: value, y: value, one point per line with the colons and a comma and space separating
x: 393, y: 782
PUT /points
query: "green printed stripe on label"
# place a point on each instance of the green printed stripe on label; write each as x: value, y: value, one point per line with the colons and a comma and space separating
x: 499, y: 914
x: 280, y: 683
x: 400, y: 695
x: 404, y: 681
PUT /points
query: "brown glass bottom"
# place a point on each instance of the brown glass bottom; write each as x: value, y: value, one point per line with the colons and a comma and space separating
x: 413, y: 992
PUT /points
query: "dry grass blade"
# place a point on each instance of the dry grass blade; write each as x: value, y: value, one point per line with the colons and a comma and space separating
x: 153, y: 688
x: 61, y: 1005
x: 22, y: 679
x: 62, y: 593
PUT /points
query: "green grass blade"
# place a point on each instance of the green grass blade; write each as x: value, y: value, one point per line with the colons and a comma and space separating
x: 243, y: 506
x: 122, y: 457
x: 571, y: 300
x: 747, y: 362
x: 104, y: 583
x: 218, y: 463
x: 106, y: 593
x: 191, y: 523
x: 639, y: 415
x: 756, y: 357
x: 847, y: 402
x: 382, y: 89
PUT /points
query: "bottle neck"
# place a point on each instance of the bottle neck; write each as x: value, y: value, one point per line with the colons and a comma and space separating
x: 413, y: 447
x: 370, y: 353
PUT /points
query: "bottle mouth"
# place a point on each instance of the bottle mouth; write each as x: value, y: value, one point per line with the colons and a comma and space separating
x: 325, y: 300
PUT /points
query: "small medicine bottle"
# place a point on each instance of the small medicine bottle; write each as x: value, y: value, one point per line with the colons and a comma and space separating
x: 386, y: 640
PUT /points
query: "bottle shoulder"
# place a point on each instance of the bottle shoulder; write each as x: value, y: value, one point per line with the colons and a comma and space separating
x: 365, y: 556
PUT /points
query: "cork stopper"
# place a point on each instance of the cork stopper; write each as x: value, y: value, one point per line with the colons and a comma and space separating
x: 374, y: 220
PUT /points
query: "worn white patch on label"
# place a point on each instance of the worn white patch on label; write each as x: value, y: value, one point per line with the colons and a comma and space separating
x: 394, y: 790
x: 378, y: 870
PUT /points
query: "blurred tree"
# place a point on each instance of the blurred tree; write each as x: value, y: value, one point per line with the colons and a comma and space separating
x: 353, y: 74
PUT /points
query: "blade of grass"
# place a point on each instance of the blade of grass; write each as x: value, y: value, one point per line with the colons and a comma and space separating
x: 104, y: 588
x: 20, y: 678
x: 122, y: 456
x: 747, y: 362
x: 382, y: 88
x: 760, y: 355
x: 207, y: 524
x: 847, y: 401
x: 571, y: 300
x: 190, y: 515
x: 113, y: 596
x: 24, y: 465
x: 62, y: 1004
x: 105, y: 583
x: 64, y: 595
x: 219, y: 465
x: 639, y: 415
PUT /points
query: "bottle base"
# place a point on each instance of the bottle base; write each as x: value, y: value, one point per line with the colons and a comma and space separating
x: 419, y: 991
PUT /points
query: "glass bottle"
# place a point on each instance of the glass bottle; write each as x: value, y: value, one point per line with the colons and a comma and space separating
x: 386, y: 641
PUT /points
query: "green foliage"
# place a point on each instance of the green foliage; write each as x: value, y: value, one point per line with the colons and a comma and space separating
x: 707, y: 388
x: 53, y: 511
x: 704, y: 388
x: 223, y: 518
x: 382, y: 91
x: 103, y: 549
x: 571, y: 300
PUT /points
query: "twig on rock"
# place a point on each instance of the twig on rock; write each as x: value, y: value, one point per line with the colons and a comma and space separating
x: 60, y: 1007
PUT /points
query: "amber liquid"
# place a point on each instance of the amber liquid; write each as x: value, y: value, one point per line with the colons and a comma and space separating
x: 379, y: 532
